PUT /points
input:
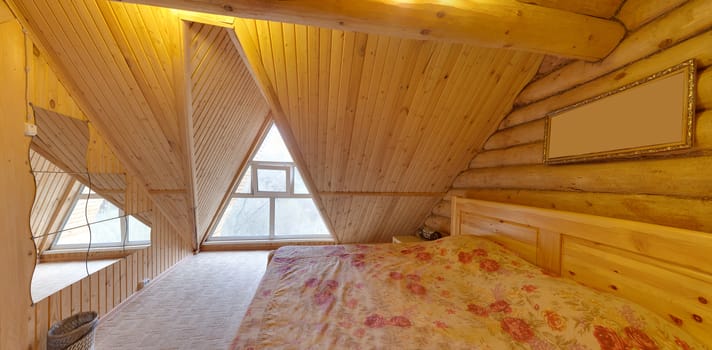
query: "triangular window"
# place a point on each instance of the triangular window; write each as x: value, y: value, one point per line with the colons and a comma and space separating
x: 271, y: 200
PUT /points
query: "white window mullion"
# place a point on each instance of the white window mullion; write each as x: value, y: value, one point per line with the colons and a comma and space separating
x: 271, y: 217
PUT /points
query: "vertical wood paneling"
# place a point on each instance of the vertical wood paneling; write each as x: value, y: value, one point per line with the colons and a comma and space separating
x: 52, y: 192
x: 228, y: 114
x: 117, y: 60
x: 104, y: 290
x: 378, y: 115
x: 17, y: 252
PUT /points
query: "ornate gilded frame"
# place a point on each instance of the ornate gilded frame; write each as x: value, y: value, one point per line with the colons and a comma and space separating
x: 688, y: 116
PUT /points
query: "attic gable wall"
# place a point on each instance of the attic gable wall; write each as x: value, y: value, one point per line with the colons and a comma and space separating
x: 228, y: 115
x: 382, y: 124
x: 669, y: 190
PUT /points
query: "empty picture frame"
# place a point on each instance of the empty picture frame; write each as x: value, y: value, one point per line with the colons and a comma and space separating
x: 654, y: 114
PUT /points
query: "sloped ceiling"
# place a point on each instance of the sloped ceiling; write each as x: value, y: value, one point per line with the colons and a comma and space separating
x: 228, y: 114
x: 381, y: 125
x: 123, y: 64
x: 382, y: 122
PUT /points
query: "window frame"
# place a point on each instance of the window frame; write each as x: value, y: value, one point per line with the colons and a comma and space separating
x: 123, y: 227
x: 253, y: 166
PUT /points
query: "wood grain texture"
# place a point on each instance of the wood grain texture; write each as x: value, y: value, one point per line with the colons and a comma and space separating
x: 228, y: 115
x: 600, y: 8
x: 106, y: 289
x: 373, y: 113
x: 676, y: 26
x: 117, y: 61
x: 635, y: 13
x: 642, y: 262
x: 17, y: 251
x: 500, y: 24
x: 375, y: 219
x: 695, y: 47
x: 53, y: 195
x: 666, y: 189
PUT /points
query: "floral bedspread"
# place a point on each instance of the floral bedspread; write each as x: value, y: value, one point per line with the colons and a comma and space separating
x: 455, y: 293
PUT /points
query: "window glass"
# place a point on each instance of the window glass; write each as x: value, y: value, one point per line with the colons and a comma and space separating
x: 245, y: 185
x: 271, y: 180
x: 297, y: 217
x: 271, y: 200
x: 273, y: 148
x: 244, y: 217
x: 299, y: 186
x: 75, y: 230
x: 138, y: 231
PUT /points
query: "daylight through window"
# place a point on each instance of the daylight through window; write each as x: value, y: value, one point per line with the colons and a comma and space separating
x: 271, y: 200
x: 109, y: 226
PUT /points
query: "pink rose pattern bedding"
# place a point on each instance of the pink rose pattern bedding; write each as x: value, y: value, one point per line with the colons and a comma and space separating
x: 455, y: 293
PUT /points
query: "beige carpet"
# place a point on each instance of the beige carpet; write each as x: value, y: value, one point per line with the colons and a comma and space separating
x: 197, y: 305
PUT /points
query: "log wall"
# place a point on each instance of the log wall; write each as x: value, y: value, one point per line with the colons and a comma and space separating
x: 671, y: 189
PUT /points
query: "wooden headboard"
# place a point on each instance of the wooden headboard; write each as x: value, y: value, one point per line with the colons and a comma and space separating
x: 667, y: 270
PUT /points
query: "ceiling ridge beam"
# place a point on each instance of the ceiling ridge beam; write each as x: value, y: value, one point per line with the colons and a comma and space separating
x: 485, y: 23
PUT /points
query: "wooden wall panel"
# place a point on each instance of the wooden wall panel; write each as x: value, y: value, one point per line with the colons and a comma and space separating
x: 62, y: 140
x: 669, y: 190
x: 375, y: 114
x: 123, y: 64
x: 54, y: 193
x: 17, y: 252
x: 228, y: 114
x: 376, y: 218
x: 106, y: 289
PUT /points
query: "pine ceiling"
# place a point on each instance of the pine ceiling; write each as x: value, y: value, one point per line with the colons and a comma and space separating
x: 380, y: 124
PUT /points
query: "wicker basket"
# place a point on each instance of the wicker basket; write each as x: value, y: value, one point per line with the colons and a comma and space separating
x: 73, y: 333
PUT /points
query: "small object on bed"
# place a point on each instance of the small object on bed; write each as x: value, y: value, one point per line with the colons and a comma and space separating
x: 460, y: 292
x: 428, y: 234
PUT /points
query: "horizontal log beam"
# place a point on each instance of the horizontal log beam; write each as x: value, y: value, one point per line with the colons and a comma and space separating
x: 531, y: 153
x: 382, y: 194
x: 696, y: 47
x: 680, y: 24
x: 498, y: 24
x: 689, y: 213
x: 680, y: 177
x: 438, y: 223
x: 518, y: 135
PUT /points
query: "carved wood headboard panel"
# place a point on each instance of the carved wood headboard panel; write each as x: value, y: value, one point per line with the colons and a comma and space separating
x: 666, y: 269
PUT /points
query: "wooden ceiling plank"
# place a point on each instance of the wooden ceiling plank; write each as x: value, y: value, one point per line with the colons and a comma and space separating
x: 291, y: 84
x: 310, y: 124
x: 351, y: 66
x: 104, y: 46
x: 422, y: 110
x: 249, y: 52
x: 500, y: 24
x: 318, y: 167
x: 302, y: 58
x: 329, y: 126
x: 373, y: 109
x: 415, y: 58
x: 362, y: 122
x: 398, y: 49
x: 154, y: 75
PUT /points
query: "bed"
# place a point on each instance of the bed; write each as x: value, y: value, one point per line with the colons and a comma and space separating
x: 494, y: 284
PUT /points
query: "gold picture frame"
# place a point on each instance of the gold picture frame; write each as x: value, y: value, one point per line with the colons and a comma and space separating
x: 654, y: 114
